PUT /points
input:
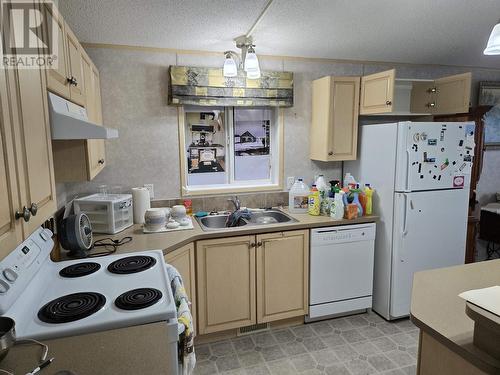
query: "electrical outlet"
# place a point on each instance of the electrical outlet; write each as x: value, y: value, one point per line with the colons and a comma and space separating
x: 151, y: 189
x: 289, y: 182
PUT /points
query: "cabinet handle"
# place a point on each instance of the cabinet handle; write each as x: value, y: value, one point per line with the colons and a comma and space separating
x: 259, y: 244
x: 431, y: 104
x: 72, y: 81
x: 100, y: 161
x: 432, y: 90
x: 388, y: 102
x: 33, y: 209
x: 252, y: 244
x: 330, y: 153
x: 26, y: 214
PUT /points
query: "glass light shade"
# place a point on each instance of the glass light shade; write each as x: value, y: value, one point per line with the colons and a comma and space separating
x: 253, y: 74
x: 230, y: 68
x: 493, y: 47
x: 251, y: 61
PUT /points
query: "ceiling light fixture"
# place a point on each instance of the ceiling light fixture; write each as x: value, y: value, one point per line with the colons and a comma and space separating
x: 493, y: 46
x: 249, y: 61
x: 230, y: 67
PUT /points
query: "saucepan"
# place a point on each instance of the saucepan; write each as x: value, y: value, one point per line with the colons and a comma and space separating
x: 7, y: 335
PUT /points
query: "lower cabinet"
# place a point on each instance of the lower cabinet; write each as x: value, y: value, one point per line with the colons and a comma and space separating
x: 183, y: 260
x: 282, y: 275
x: 226, y: 283
x: 251, y: 279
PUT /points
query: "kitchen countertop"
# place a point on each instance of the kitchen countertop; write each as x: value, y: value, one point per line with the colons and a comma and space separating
x: 132, y: 350
x: 438, y: 311
x: 170, y: 241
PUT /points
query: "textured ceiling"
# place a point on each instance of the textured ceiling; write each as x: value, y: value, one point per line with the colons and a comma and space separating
x: 451, y: 32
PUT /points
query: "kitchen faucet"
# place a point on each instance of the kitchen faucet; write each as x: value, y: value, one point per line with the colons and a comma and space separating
x: 236, y: 202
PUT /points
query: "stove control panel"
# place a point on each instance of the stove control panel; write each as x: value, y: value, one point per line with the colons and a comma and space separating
x: 10, y: 274
x: 22, y: 264
x: 4, y: 287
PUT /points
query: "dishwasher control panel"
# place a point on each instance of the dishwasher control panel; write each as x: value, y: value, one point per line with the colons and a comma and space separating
x: 340, y: 234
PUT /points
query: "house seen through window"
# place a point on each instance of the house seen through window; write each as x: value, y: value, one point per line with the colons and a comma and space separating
x: 231, y: 146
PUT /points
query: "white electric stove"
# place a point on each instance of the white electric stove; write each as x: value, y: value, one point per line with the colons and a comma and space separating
x: 49, y: 300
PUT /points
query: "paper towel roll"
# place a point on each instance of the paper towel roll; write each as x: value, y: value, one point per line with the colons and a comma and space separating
x: 140, y: 196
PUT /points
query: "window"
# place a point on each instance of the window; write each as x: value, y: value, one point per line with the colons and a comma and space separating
x: 230, y: 149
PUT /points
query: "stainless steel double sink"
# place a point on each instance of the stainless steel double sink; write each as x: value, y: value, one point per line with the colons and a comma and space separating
x: 257, y: 218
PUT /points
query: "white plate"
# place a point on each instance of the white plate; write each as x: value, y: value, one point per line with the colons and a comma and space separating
x: 165, y: 229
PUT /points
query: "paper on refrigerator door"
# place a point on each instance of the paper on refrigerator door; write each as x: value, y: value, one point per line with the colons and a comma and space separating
x: 486, y: 298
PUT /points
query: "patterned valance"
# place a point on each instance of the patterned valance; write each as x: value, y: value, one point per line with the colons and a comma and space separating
x: 209, y: 87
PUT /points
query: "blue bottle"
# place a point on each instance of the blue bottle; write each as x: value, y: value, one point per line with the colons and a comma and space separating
x: 355, y: 200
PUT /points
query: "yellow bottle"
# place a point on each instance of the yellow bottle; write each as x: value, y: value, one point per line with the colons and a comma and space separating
x: 369, y: 200
x: 314, y: 204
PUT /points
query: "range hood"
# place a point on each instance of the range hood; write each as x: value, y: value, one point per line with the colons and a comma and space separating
x: 70, y: 121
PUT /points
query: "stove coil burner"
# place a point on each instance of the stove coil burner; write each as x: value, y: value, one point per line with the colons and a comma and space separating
x: 71, y: 307
x: 138, y: 299
x: 80, y: 269
x: 133, y: 264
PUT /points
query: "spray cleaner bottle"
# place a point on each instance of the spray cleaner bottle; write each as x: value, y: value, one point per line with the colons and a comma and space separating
x: 323, y: 194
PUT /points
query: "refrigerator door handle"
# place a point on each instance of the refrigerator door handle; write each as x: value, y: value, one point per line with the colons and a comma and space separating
x: 405, y: 219
x: 408, y: 170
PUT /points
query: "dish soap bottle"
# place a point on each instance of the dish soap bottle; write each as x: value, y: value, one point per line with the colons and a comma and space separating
x: 314, y: 202
x: 369, y: 199
x: 298, y: 197
x: 323, y: 197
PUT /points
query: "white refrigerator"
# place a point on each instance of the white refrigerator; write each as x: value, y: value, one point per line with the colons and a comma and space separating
x: 421, y: 175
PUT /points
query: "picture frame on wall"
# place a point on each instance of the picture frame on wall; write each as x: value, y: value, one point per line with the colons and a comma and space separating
x: 492, y: 127
x: 489, y: 93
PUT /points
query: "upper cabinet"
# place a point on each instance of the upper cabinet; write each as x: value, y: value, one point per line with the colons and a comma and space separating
x: 66, y: 79
x: 384, y: 94
x: 96, y: 156
x: 80, y: 160
x: 10, y: 228
x: 75, y: 63
x: 75, y: 78
x: 58, y: 78
x: 334, y: 126
x: 33, y: 147
x: 377, y: 93
x: 26, y: 170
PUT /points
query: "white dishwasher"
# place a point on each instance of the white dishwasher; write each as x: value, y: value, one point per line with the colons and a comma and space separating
x: 341, y: 269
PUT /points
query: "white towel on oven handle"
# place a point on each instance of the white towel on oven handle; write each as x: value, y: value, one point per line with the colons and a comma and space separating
x: 185, y: 321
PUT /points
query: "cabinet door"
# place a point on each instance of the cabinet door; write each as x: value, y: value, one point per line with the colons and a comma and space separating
x: 10, y: 228
x: 334, y: 125
x: 183, y: 260
x: 422, y: 97
x: 57, y: 78
x: 33, y: 145
x: 344, y: 128
x: 453, y: 94
x: 77, y: 89
x: 225, y: 283
x: 282, y: 275
x: 377, y: 93
x: 321, y: 120
x: 96, y: 148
